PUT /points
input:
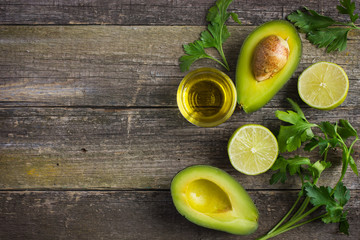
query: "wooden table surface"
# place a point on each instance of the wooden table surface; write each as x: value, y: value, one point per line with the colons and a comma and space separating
x: 90, y: 133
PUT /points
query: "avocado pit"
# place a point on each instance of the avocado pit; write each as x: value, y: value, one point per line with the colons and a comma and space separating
x: 270, y: 56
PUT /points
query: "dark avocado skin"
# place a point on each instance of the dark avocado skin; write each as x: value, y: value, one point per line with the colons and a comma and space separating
x: 251, y: 94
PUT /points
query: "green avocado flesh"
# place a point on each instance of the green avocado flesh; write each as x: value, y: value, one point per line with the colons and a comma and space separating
x: 252, y: 95
x: 211, y: 198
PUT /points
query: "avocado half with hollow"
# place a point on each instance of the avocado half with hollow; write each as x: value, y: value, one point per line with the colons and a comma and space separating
x: 211, y: 198
x: 253, y: 94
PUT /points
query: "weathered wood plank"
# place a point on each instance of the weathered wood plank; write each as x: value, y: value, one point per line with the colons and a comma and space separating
x: 154, y: 12
x: 80, y: 148
x: 140, y: 215
x: 122, y: 66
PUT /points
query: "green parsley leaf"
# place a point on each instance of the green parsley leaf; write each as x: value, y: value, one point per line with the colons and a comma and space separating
x: 281, y: 175
x: 348, y: 7
x: 334, y: 214
x: 341, y: 194
x: 328, y: 129
x: 330, y: 38
x: 319, y: 195
x: 322, y: 144
x: 291, y: 137
x: 292, y: 166
x: 322, y: 196
x: 353, y: 165
x: 344, y: 226
x: 214, y: 37
x: 194, y: 52
x: 320, y: 29
x: 213, y: 15
x: 312, y: 144
x: 346, y: 130
x: 210, y: 37
x: 296, y: 107
x: 309, y: 20
x: 295, y: 164
x: 318, y: 167
x: 288, y: 116
x: 235, y: 17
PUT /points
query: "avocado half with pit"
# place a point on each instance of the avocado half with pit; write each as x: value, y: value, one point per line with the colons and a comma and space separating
x: 253, y: 94
x: 211, y: 198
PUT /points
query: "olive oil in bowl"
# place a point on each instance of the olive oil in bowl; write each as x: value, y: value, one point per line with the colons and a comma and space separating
x: 206, y: 97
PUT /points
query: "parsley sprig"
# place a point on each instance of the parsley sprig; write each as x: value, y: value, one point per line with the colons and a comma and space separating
x: 214, y: 37
x: 324, y: 31
x: 329, y: 201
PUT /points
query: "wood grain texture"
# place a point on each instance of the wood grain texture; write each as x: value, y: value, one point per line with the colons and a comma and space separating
x: 140, y: 215
x: 85, y: 148
x: 150, y: 12
x: 123, y: 66
x: 90, y: 134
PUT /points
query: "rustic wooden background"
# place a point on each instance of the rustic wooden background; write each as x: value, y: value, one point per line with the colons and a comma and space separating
x: 90, y: 134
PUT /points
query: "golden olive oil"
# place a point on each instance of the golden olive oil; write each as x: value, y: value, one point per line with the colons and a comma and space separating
x: 206, y: 97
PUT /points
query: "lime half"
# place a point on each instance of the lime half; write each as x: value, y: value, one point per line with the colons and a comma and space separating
x: 323, y: 85
x: 252, y: 149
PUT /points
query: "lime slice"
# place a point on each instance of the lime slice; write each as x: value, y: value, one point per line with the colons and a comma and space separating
x: 323, y: 85
x: 252, y: 149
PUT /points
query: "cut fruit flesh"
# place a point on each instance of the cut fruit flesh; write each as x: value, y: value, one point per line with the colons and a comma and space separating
x: 323, y: 85
x: 252, y: 149
x: 210, y: 197
x: 251, y: 94
x: 207, y: 197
